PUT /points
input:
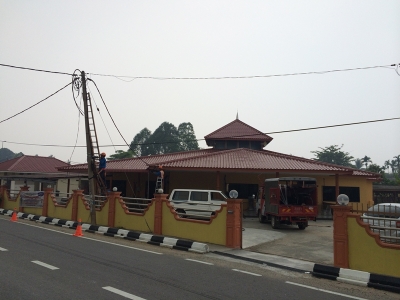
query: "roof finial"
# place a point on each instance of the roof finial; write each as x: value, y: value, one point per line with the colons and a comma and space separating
x: 237, y: 115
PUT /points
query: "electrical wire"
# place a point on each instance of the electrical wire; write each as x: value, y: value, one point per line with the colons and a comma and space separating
x: 244, y: 77
x: 37, y: 70
x: 113, y: 120
x: 233, y: 136
x: 35, y: 103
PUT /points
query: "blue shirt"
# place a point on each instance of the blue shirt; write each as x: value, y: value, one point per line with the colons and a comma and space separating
x: 102, y: 164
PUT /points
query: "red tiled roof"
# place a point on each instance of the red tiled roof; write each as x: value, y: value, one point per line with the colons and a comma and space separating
x: 32, y: 164
x: 240, y: 159
x: 237, y: 130
x: 142, y: 163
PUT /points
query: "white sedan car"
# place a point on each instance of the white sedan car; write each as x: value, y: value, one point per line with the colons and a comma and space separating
x: 384, y: 218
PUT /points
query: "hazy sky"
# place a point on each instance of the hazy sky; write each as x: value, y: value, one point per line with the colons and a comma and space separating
x: 203, y: 39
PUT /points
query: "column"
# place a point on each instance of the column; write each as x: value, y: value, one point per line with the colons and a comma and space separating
x: 340, y: 236
x: 234, y: 224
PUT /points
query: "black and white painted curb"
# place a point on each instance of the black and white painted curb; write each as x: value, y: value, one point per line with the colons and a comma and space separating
x: 361, y: 278
x: 116, y: 232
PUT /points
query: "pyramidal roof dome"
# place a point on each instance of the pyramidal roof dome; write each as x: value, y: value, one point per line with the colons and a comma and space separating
x: 238, y: 131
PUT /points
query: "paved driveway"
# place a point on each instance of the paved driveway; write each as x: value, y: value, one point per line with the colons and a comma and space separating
x: 314, y: 244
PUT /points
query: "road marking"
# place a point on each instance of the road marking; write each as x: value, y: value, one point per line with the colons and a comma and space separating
x: 325, y: 291
x: 254, y: 274
x: 199, y: 261
x: 122, y: 293
x: 83, y: 237
x: 2, y: 249
x: 44, y: 265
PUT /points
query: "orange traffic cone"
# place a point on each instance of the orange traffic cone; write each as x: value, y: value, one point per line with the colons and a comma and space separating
x: 78, y: 231
x: 14, y: 217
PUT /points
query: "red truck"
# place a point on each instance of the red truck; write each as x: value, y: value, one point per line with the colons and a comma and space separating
x: 288, y: 200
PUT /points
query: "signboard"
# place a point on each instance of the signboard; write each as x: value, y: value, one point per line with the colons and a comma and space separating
x: 31, y: 199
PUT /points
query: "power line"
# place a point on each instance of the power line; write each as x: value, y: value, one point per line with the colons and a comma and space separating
x: 37, y: 70
x: 235, y: 136
x: 244, y: 77
x: 35, y: 103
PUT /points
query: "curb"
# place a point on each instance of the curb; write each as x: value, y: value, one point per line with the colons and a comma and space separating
x: 382, y: 282
x: 157, y: 240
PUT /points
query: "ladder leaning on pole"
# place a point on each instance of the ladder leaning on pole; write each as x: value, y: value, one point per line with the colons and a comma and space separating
x: 101, y: 186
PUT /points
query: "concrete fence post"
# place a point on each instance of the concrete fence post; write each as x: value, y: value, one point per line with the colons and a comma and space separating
x: 111, y: 207
x: 75, y: 197
x: 158, y: 201
x: 47, y: 193
x: 340, y: 236
x: 234, y: 223
x: 23, y: 188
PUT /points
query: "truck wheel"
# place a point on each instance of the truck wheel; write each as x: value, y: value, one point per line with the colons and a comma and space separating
x: 274, y: 222
x: 302, y: 226
x: 261, y: 218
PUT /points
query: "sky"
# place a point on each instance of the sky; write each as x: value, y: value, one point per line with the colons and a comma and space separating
x: 247, y: 40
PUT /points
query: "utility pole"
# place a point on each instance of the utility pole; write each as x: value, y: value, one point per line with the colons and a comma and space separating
x: 90, y: 153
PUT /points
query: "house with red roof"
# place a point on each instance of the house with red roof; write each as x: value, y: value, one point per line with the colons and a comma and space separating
x: 236, y: 160
x: 37, y: 173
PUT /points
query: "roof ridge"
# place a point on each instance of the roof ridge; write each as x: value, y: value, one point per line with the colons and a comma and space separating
x: 235, y: 121
x: 215, y: 151
x: 17, y: 161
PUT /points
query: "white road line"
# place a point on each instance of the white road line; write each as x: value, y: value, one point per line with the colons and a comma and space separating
x: 254, y: 274
x: 3, y: 249
x: 122, y: 293
x: 83, y: 237
x: 325, y: 291
x: 44, y: 265
x: 199, y: 261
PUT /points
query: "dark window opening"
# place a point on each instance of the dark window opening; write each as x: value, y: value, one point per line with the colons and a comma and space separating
x: 329, y: 193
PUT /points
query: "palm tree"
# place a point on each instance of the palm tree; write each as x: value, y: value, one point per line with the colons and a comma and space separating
x: 397, y: 158
x: 393, y: 165
x: 358, y: 163
x: 366, y: 160
x: 387, y: 165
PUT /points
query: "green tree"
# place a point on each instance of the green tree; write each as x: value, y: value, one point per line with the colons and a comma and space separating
x: 138, y: 145
x: 376, y: 169
x: 366, y: 160
x: 358, y: 163
x: 120, y: 154
x: 397, y: 158
x: 393, y: 165
x: 187, y: 137
x: 165, y: 139
x: 333, y: 155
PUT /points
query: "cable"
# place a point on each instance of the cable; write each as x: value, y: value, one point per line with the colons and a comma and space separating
x: 37, y: 70
x: 243, y: 77
x: 113, y: 119
x: 35, y: 103
x: 275, y: 132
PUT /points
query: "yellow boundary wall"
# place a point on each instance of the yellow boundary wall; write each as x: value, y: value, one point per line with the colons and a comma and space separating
x: 213, y: 231
x: 368, y: 253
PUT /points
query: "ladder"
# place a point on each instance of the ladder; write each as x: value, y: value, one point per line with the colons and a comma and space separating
x: 101, y: 186
x: 159, y: 184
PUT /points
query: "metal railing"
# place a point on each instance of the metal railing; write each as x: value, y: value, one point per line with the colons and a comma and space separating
x: 99, y: 201
x: 384, y: 220
x: 136, y: 205
x: 62, y: 198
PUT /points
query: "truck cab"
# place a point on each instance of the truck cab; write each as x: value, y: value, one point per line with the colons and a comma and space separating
x: 288, y: 200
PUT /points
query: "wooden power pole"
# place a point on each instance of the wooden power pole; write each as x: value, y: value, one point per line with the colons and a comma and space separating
x: 90, y: 153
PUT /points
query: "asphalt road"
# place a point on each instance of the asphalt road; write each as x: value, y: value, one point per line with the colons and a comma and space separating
x: 46, y: 262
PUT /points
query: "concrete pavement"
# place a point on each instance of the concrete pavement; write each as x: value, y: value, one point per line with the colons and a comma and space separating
x: 286, y: 247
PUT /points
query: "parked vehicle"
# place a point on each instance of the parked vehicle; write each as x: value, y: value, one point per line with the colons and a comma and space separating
x: 196, y: 204
x: 384, y: 218
x: 288, y: 200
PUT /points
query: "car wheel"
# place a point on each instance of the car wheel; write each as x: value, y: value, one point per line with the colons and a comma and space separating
x: 261, y: 218
x: 302, y: 226
x: 274, y: 222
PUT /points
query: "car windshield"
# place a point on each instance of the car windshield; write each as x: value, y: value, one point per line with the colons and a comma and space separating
x: 217, y: 196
